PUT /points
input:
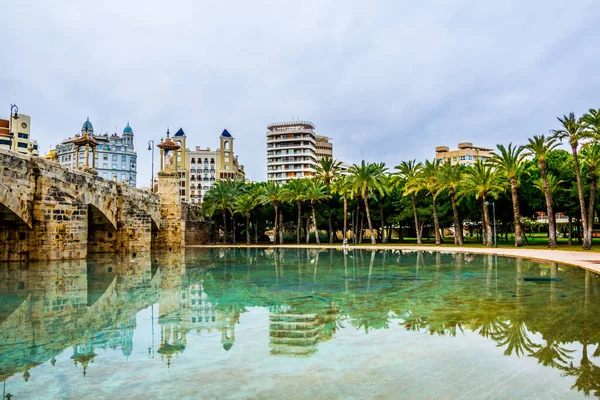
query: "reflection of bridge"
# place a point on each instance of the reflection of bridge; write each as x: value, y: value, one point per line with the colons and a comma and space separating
x: 49, y: 212
x: 71, y: 304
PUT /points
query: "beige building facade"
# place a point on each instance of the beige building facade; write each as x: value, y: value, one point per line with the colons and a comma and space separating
x: 324, y: 147
x: 15, y: 134
x: 199, y: 168
x: 466, y: 154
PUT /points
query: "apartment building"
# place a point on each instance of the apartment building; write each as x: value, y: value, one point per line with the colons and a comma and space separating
x: 15, y: 134
x: 291, y: 150
x: 466, y: 154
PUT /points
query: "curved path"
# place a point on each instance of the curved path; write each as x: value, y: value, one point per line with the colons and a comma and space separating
x: 586, y: 260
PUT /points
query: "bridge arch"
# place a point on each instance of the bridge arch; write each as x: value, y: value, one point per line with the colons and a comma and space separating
x: 17, y: 203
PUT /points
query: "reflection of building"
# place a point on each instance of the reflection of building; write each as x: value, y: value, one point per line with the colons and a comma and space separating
x: 21, y: 132
x: 200, y: 168
x: 467, y: 154
x: 114, y: 155
x: 293, y: 334
x: 291, y: 150
x: 189, y: 310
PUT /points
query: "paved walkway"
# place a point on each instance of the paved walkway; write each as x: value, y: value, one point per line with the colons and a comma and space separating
x: 586, y: 260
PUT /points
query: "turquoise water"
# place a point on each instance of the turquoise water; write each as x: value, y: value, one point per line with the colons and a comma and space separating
x: 264, y: 323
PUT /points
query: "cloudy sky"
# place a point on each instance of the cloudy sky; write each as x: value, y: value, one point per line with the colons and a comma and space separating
x: 390, y: 79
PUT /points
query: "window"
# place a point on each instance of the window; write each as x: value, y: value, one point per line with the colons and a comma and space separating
x: 114, y: 166
x: 23, y: 135
x: 123, y: 158
x: 114, y: 157
x: 105, y: 157
x: 122, y: 177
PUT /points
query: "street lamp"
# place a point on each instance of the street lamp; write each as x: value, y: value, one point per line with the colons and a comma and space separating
x: 493, y: 203
x: 151, y: 148
x: 15, y: 116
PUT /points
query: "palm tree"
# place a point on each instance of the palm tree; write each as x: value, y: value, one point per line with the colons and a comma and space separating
x: 387, y: 185
x: 428, y: 180
x: 408, y: 172
x: 509, y: 162
x: 573, y: 130
x: 591, y: 159
x: 328, y: 170
x: 367, y: 179
x: 553, y: 184
x: 295, y: 191
x: 451, y: 177
x: 219, y: 198
x: 257, y: 190
x: 539, y: 147
x: 244, y: 205
x: 483, y: 181
x: 315, y: 191
x: 341, y: 186
x: 273, y: 193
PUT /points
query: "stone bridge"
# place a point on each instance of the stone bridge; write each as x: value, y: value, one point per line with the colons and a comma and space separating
x: 49, y: 212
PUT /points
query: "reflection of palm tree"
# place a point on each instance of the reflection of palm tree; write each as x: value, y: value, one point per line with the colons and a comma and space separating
x: 514, y: 335
x: 588, y: 375
x: 492, y: 327
x: 553, y: 355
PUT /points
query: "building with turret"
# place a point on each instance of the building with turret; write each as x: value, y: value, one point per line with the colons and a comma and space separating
x: 200, y: 168
x: 114, y: 155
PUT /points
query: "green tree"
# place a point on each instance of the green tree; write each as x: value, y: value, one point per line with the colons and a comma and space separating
x: 408, y: 172
x: 328, y: 170
x: 450, y: 178
x: 366, y: 180
x: 315, y: 191
x: 295, y: 191
x: 342, y: 186
x: 540, y: 147
x: 510, y: 162
x: 274, y: 193
x: 483, y: 181
x: 220, y: 198
x: 244, y: 205
x: 591, y: 160
x: 573, y: 130
x: 428, y: 180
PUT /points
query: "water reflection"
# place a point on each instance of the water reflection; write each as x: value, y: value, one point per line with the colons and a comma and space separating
x: 82, y: 307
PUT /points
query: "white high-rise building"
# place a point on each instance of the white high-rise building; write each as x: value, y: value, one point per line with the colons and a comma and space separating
x: 291, y: 150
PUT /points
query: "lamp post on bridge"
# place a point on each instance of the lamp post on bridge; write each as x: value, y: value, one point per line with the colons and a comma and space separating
x: 151, y: 148
x: 15, y: 117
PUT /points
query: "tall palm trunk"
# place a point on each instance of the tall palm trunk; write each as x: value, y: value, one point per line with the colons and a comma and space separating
x: 307, y: 228
x: 592, y: 203
x: 248, y: 228
x: 414, y: 206
x: 458, y: 233
x: 570, y: 229
x: 256, y: 230
x: 381, y: 215
x: 516, y: 212
x: 489, y: 239
x: 275, y: 223
x: 587, y: 239
x: 345, y: 216
x: 312, y: 206
x: 281, y: 228
x: 299, y: 221
x: 330, y: 227
x: 549, y: 207
x: 436, y: 223
x: 369, y: 218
